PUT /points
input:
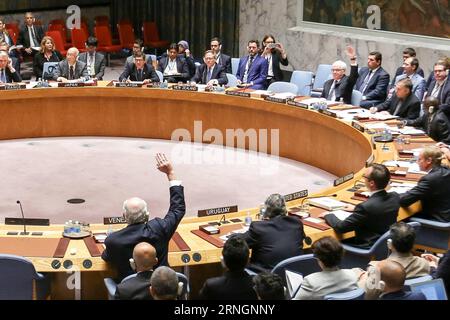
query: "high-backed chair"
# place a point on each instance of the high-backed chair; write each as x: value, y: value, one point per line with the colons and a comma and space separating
x: 323, y: 73
x: 160, y: 75
x: 282, y: 87
x: 126, y: 35
x: 304, y: 82
x: 359, y: 258
x: 232, y: 80
x: 234, y: 65
x: 356, y: 98
x: 357, y: 294
x: 17, y: 275
x: 304, y: 264
x: 433, y: 235
x: 13, y: 35
x: 105, y: 43
x: 79, y: 37
x: 151, y: 36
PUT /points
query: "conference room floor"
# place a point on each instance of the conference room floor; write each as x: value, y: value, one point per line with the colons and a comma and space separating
x: 45, y: 173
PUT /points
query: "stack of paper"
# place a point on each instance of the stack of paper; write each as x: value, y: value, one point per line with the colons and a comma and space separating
x: 341, y: 214
x: 294, y: 281
x: 327, y: 203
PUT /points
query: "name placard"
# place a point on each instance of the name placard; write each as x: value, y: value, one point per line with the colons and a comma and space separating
x: 114, y: 220
x: 28, y: 222
x: 357, y: 126
x: 217, y: 211
x: 276, y: 100
x: 178, y: 87
x: 328, y: 113
x: 344, y: 179
x: 154, y: 85
x: 238, y: 94
x: 370, y: 161
x: 14, y: 86
x: 295, y: 196
x: 70, y: 84
x: 297, y: 104
x: 128, y: 85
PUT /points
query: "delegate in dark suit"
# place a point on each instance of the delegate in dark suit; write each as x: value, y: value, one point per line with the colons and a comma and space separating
x: 376, y: 90
x: 157, y: 232
x: 408, y: 109
x: 40, y: 59
x: 136, y: 288
x: 343, y: 88
x: 12, y: 77
x: 436, y: 126
x: 230, y: 286
x: 401, y: 71
x: 370, y: 220
x: 225, y: 61
x: 403, y: 295
x: 24, y: 36
x: 257, y: 73
x: 274, y: 240
x: 443, y: 271
x: 277, y: 59
x: 433, y: 191
x: 99, y: 61
x: 182, y: 68
x: 443, y: 95
x: 63, y: 70
x: 201, y: 76
x: 131, y: 73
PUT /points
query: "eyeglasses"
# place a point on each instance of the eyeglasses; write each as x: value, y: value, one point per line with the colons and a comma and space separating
x: 439, y: 71
x: 337, y: 70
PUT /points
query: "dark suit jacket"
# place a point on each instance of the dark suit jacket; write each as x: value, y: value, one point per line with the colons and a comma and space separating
x: 443, y: 271
x: 63, y: 70
x: 24, y: 37
x: 438, y: 129
x: 131, y: 73
x: 404, y: 295
x: 16, y: 64
x: 230, y: 286
x: 225, y: 62
x: 182, y: 66
x: 444, y: 96
x: 157, y: 232
x: 401, y: 71
x: 100, y: 63
x: 136, y: 288
x: 343, y: 88
x: 409, y: 110
x: 433, y: 191
x: 370, y: 220
x: 12, y: 77
x: 39, y: 60
x: 274, y: 240
x: 277, y: 59
x: 377, y: 87
x: 257, y: 73
x: 201, y: 75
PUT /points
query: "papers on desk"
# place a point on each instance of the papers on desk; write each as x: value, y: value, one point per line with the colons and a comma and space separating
x: 294, y: 281
x: 341, y: 214
x: 313, y: 220
x: 327, y: 203
x: 410, y: 131
x: 413, y: 167
x: 377, y: 126
x: 284, y: 95
x: 225, y: 237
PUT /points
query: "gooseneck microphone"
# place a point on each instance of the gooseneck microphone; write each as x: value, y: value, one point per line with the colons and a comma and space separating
x: 316, y: 197
x: 24, y: 233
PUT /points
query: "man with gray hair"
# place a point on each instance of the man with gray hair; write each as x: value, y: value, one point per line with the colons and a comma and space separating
x: 71, y: 68
x: 158, y: 232
x: 7, y: 72
x: 275, y: 238
x: 341, y: 86
x: 164, y: 284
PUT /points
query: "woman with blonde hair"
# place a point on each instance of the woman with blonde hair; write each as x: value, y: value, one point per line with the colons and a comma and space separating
x: 47, y: 53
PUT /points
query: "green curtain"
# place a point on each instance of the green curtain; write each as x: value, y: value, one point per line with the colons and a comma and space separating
x: 195, y: 21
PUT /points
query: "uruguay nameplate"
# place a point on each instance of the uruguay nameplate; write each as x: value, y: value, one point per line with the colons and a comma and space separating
x: 295, y: 196
x: 114, y: 220
x: 344, y: 179
x: 217, y: 211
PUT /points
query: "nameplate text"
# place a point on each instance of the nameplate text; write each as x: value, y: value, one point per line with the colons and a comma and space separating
x: 217, y: 211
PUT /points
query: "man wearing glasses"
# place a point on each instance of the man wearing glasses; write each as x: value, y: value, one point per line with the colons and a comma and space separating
x: 440, y: 87
x: 210, y: 73
x: 370, y: 219
x: 341, y: 86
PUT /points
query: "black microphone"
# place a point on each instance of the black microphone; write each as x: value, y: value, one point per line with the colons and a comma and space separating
x: 222, y: 220
x: 24, y: 233
x: 356, y: 182
x: 316, y: 197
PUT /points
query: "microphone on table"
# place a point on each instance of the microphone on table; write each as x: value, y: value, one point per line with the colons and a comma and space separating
x: 24, y: 233
x: 316, y: 197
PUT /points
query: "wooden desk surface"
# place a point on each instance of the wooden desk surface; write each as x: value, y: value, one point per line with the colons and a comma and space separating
x: 304, y: 135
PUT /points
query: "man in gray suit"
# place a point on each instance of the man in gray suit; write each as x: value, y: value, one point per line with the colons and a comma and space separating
x: 138, y: 47
x: 410, y: 67
x: 96, y: 62
x: 71, y: 68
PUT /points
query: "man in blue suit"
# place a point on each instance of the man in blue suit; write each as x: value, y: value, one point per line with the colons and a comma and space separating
x: 253, y: 69
x: 373, y: 81
x: 119, y: 245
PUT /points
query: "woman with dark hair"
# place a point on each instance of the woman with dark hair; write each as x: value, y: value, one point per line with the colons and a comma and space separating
x: 275, y: 54
x: 331, y: 279
x: 47, y: 53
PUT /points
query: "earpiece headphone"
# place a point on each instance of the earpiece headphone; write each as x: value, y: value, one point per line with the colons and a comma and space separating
x: 431, y: 110
x: 222, y: 262
x: 132, y: 264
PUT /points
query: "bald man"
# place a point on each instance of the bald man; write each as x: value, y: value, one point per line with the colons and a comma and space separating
x: 392, y: 281
x: 137, y: 288
x: 71, y: 68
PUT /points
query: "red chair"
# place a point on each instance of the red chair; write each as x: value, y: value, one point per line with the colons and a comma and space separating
x: 14, y: 27
x: 63, y: 30
x: 79, y: 37
x: 105, y: 44
x: 13, y: 35
x: 58, y: 40
x: 151, y: 36
x: 126, y: 35
x: 58, y: 21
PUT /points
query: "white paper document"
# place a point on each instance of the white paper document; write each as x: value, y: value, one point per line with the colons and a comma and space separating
x: 341, y: 214
x: 327, y: 203
x: 294, y: 281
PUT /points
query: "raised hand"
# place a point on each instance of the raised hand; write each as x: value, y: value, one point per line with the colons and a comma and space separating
x: 164, y: 165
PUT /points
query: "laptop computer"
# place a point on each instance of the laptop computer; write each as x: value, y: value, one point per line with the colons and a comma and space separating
x: 433, y: 289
